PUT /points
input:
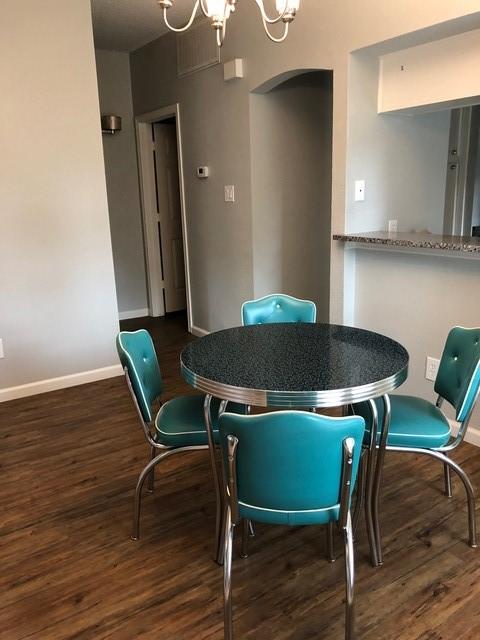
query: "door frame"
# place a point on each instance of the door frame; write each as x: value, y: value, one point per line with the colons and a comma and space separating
x: 146, y: 172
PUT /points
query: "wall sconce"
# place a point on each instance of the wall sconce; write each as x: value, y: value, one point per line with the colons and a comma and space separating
x: 111, y: 124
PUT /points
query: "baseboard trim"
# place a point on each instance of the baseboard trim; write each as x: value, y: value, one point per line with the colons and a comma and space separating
x: 53, y: 384
x: 196, y: 331
x: 133, y: 313
x: 472, y: 436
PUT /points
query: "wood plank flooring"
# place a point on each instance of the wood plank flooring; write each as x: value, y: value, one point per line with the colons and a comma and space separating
x: 68, y: 569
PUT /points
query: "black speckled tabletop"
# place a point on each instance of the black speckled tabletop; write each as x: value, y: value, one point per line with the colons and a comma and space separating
x: 294, y: 359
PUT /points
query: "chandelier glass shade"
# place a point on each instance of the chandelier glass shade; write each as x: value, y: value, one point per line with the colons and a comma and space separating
x: 219, y: 11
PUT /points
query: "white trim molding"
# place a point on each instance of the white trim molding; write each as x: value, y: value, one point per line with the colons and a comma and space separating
x: 196, y: 331
x: 472, y: 436
x: 53, y: 384
x: 143, y: 124
x: 133, y: 313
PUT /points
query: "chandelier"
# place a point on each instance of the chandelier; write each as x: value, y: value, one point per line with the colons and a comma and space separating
x: 219, y: 11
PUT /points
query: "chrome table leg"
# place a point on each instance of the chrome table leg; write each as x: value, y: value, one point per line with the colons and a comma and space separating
x: 372, y: 449
x: 330, y: 543
x: 151, y: 477
x: 360, y: 494
x: 245, y: 535
x: 447, y: 480
x: 378, y: 474
x: 217, y: 550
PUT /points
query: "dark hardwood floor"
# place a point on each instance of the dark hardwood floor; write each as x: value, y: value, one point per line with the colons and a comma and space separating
x: 68, y: 569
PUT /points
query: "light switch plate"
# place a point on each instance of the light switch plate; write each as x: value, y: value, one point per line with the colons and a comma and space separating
x: 392, y: 226
x: 359, y: 190
x: 229, y: 193
x: 431, y: 369
x: 2, y: 353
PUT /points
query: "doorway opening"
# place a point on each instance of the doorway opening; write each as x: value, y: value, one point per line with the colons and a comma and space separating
x: 462, y: 193
x: 291, y: 146
x: 163, y: 210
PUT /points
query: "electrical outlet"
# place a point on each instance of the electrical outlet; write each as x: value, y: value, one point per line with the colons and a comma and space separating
x: 2, y: 352
x: 229, y: 193
x: 359, y: 190
x: 431, y: 369
x: 392, y: 226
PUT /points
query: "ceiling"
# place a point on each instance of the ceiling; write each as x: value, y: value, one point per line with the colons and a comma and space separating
x: 126, y: 25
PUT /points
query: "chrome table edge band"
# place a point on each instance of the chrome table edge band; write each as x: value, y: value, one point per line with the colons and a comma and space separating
x: 326, y: 398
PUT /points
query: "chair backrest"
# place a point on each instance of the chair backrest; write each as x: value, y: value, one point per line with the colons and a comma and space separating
x: 291, y: 460
x: 458, y: 377
x: 137, y: 355
x: 278, y: 307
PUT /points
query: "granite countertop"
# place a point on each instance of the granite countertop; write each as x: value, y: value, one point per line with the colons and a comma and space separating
x: 414, y: 240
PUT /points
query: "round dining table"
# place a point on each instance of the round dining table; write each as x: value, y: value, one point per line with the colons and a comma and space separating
x: 301, y: 366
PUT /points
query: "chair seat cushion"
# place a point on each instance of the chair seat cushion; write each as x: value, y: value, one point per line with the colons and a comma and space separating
x: 414, y: 422
x: 291, y: 518
x: 180, y: 422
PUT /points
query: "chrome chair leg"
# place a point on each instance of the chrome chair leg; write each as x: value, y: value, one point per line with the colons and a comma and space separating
x: 472, y: 524
x: 138, y: 491
x: 438, y: 455
x: 447, y: 480
x: 227, y: 575
x: 349, y: 581
x: 360, y: 494
x: 251, y: 530
x: 141, y: 479
x: 245, y: 532
x: 330, y: 543
x: 151, y: 476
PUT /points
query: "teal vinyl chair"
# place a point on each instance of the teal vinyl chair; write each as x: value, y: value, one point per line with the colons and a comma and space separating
x: 419, y: 426
x: 278, y: 307
x: 290, y: 468
x: 179, y: 424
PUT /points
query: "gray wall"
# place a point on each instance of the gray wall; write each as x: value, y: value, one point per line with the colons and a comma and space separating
x: 57, y: 289
x: 403, y: 159
x: 59, y: 312
x: 220, y: 234
x: 291, y: 131
x: 415, y: 299
x: 216, y: 128
x: 443, y: 295
x: 121, y: 170
x: 216, y: 122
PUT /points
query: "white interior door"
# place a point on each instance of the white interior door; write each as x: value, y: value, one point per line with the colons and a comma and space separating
x: 169, y: 215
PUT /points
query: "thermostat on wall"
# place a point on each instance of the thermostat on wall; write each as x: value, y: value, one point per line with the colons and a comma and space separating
x: 202, y: 172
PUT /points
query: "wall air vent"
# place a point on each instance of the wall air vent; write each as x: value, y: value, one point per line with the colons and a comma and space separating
x: 197, y: 48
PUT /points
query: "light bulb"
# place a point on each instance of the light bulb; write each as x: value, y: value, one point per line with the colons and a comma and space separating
x: 292, y: 5
x: 216, y: 8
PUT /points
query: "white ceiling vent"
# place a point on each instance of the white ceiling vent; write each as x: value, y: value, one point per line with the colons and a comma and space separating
x: 197, y: 48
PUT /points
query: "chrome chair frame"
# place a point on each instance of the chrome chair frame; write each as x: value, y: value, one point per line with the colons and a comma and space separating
x: 442, y: 454
x: 344, y: 523
x: 439, y: 453
x: 155, y: 458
